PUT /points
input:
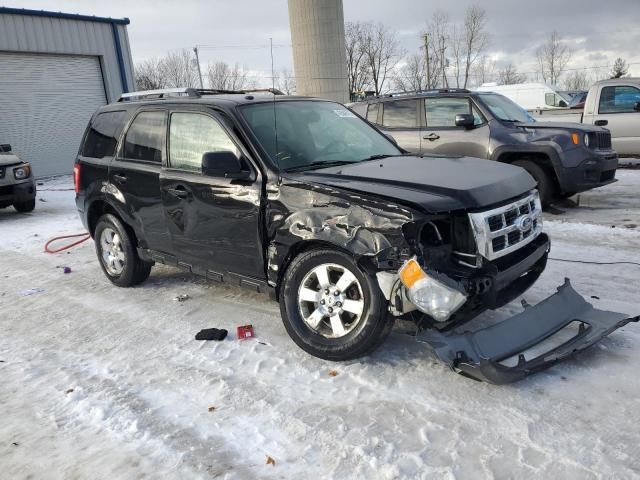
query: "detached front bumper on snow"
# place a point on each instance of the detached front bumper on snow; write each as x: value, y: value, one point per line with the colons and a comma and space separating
x: 497, y: 354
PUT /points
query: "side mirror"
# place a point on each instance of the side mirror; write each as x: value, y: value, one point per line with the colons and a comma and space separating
x: 5, y: 147
x: 562, y: 103
x: 636, y: 107
x: 465, y: 120
x: 224, y: 164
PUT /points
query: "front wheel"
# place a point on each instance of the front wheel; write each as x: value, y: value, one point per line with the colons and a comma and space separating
x: 25, y: 207
x: 331, y: 307
x: 117, y: 254
x: 546, y: 187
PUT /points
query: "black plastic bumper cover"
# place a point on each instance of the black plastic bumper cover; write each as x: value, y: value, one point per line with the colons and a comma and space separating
x: 478, y: 354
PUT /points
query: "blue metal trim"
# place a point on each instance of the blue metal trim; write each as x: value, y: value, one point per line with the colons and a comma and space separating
x: 123, y: 75
x: 68, y: 16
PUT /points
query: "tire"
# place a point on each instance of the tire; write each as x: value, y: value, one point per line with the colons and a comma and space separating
x: 546, y: 187
x: 360, y: 334
x: 117, y: 253
x: 25, y: 207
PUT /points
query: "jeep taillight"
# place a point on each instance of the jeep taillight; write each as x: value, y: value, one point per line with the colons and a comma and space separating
x: 76, y: 177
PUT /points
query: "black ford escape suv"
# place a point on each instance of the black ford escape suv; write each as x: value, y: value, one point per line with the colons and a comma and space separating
x: 301, y: 198
x: 564, y: 158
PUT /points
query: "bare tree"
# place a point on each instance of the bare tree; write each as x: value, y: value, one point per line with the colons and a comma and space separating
x: 382, y: 53
x: 411, y: 76
x: 179, y: 70
x: 222, y: 76
x: 553, y: 58
x: 510, y: 76
x: 436, y: 39
x: 457, y: 49
x: 286, y: 82
x: 474, y: 37
x: 577, y: 80
x: 619, y: 69
x: 148, y: 75
x: 357, y: 66
x: 484, y: 70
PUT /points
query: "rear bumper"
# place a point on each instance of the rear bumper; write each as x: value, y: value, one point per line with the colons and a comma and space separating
x: 481, y: 354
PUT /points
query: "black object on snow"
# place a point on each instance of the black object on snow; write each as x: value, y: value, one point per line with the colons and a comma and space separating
x: 211, y: 334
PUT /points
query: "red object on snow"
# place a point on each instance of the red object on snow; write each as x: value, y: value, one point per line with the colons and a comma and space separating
x: 245, y: 331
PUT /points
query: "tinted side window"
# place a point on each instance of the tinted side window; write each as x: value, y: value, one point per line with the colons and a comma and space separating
x: 191, y: 135
x: 441, y: 112
x: 372, y: 113
x: 145, y: 137
x: 400, y: 114
x: 103, y: 134
x: 621, y: 99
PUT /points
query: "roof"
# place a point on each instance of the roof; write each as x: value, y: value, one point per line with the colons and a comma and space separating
x: 614, y: 81
x: 68, y: 16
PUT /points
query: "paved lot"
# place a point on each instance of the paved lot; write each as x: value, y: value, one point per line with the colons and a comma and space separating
x: 101, y: 382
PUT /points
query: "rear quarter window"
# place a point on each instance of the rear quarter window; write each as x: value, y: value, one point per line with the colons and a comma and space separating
x: 102, y: 137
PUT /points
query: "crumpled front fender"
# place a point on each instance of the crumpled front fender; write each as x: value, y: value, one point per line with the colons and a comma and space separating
x: 481, y: 354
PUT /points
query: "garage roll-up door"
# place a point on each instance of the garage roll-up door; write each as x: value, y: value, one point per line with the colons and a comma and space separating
x: 46, y: 102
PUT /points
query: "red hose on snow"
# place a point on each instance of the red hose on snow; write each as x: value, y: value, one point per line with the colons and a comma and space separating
x: 85, y: 236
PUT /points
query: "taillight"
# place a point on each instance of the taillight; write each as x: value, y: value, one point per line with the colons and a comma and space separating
x: 76, y: 177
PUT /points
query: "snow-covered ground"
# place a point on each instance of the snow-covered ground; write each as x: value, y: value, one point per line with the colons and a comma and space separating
x: 98, y: 382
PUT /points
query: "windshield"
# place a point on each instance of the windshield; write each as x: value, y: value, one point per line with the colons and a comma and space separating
x: 312, y: 134
x: 504, y: 109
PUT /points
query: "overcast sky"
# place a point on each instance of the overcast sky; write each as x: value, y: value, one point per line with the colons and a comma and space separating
x: 597, y: 31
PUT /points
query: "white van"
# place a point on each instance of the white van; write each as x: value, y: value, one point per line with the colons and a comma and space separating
x: 530, y: 96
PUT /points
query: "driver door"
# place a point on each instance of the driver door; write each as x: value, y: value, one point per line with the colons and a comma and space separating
x: 214, y: 221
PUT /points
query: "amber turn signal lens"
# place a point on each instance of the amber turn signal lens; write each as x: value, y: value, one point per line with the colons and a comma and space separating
x: 575, y: 138
x: 410, y: 273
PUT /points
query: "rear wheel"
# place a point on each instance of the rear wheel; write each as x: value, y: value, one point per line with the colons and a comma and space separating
x: 25, y: 207
x: 546, y: 187
x: 117, y: 254
x: 331, y: 307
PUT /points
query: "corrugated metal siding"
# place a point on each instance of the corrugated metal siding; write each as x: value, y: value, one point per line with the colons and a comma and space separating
x: 46, y: 102
x: 21, y: 33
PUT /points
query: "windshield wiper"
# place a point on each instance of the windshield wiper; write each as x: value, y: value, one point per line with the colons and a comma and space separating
x: 317, y: 164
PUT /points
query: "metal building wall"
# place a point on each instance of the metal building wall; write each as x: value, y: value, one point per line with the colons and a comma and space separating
x: 48, y: 32
x: 319, y: 57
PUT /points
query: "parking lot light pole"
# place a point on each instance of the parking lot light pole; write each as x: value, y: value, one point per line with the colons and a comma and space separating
x: 195, y: 50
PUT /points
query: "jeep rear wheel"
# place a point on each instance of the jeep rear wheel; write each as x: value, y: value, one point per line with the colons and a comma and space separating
x: 117, y: 254
x: 331, y: 307
x: 546, y: 186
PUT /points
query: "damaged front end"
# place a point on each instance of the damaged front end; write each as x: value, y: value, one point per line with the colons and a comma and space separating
x: 506, y: 352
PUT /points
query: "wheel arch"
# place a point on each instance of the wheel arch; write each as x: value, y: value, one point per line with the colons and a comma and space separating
x: 101, y: 207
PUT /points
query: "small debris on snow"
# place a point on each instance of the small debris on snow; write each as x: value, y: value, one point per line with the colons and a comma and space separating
x: 64, y: 269
x: 245, y: 331
x: 42, y: 200
x: 333, y: 373
x: 211, y: 409
x: 595, y: 296
x: 182, y: 298
x: 211, y: 334
x: 69, y: 391
x: 15, y: 443
x: 270, y: 461
x: 31, y: 291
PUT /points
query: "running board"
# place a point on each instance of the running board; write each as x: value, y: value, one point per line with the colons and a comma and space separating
x: 486, y: 354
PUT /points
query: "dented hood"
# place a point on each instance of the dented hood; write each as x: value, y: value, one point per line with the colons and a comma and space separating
x: 433, y: 183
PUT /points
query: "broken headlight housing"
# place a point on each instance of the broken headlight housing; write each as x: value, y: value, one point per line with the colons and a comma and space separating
x: 428, y: 294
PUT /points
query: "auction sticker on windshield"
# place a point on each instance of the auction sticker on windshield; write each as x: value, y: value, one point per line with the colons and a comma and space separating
x: 344, y: 113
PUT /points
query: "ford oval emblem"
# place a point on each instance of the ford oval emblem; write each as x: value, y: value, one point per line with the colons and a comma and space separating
x: 524, y: 223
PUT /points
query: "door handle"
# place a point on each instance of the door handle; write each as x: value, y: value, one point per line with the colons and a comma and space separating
x: 601, y: 123
x: 120, y: 178
x: 179, y: 192
x: 431, y: 137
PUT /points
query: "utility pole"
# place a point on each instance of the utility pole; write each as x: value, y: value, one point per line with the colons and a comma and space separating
x: 443, y: 60
x: 426, y: 59
x: 195, y: 50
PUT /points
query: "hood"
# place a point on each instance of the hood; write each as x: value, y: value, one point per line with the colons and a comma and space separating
x: 579, y: 127
x: 9, y: 159
x: 432, y: 183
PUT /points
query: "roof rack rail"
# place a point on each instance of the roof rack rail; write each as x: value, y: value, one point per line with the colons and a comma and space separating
x: 428, y: 92
x: 190, y: 92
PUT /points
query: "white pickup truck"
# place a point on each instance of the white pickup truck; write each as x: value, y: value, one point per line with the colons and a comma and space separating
x: 613, y: 104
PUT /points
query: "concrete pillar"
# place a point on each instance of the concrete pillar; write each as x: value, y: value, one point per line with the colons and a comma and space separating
x: 319, y: 57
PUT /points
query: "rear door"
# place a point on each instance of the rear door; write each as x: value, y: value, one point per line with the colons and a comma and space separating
x: 134, y: 177
x: 616, y: 106
x: 442, y: 136
x: 400, y: 119
x: 214, y: 221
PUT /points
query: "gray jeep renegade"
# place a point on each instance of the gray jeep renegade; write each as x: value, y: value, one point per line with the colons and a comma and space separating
x: 564, y: 158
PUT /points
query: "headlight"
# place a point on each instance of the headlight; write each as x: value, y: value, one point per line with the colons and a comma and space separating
x: 20, y: 173
x: 586, y: 139
x: 428, y: 294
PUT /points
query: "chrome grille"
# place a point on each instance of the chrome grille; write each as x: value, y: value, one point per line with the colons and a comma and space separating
x: 505, y: 229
